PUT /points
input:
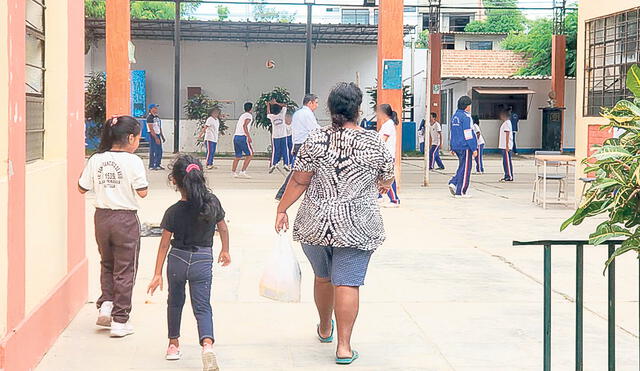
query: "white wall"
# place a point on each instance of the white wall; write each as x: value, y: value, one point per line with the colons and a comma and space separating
x: 235, y: 72
x: 529, y: 130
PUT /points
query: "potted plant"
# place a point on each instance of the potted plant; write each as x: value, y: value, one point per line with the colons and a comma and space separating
x: 281, y: 95
x: 616, y: 165
x: 95, y: 110
x: 198, y: 108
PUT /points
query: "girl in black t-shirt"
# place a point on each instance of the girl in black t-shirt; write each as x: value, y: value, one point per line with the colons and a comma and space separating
x: 188, y: 228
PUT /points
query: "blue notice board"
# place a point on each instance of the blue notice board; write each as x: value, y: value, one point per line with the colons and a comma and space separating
x: 138, y: 93
x: 392, y: 74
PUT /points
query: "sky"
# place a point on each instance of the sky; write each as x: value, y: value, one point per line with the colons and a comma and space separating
x: 242, y: 12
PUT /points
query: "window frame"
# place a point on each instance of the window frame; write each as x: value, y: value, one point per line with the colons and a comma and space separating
x: 37, y: 97
x: 610, y: 50
x: 467, y: 44
x: 456, y: 28
x: 506, y: 100
x: 357, y: 12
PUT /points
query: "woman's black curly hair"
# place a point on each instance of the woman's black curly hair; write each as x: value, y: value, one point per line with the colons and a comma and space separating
x: 344, y: 103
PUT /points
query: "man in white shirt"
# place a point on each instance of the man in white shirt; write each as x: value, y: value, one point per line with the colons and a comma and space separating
x: 435, y: 142
x: 303, y: 122
x: 154, y: 127
x: 276, y: 113
x: 505, y: 143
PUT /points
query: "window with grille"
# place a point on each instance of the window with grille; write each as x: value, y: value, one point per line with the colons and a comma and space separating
x: 488, y: 106
x: 612, y: 47
x: 355, y: 16
x: 34, y: 78
x: 457, y: 23
x: 479, y: 45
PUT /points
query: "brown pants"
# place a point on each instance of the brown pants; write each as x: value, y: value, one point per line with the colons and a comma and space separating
x: 118, y: 238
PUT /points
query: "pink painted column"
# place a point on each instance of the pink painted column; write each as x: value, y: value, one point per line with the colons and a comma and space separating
x: 17, y: 162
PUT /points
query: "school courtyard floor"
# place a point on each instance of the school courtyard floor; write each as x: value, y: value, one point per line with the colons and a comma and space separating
x: 447, y: 291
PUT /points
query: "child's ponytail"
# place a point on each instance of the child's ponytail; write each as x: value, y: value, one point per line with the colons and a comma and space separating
x: 187, y: 173
x: 116, y: 131
x: 387, y: 110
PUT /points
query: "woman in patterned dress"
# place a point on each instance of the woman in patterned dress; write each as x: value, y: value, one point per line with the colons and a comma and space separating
x: 342, y: 168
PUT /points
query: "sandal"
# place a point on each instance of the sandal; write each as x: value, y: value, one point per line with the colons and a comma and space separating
x: 348, y: 360
x: 329, y: 338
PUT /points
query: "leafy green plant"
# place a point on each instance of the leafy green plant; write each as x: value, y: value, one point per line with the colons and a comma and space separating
x: 281, y: 95
x: 95, y: 103
x: 535, y: 44
x: 616, y: 164
x: 423, y: 40
x: 143, y: 9
x: 499, y: 20
x: 198, y: 108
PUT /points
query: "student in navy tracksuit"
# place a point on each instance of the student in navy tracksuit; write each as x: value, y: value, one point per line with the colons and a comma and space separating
x: 465, y: 146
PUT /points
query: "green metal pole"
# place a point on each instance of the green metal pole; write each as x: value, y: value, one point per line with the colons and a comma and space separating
x: 611, y: 319
x: 547, y: 307
x: 579, y: 304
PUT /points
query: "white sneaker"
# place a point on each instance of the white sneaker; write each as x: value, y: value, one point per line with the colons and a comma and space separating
x: 235, y: 175
x: 244, y: 174
x: 209, y: 361
x: 287, y: 168
x: 119, y: 330
x: 452, y: 189
x: 463, y: 196
x: 104, y: 314
x: 272, y: 168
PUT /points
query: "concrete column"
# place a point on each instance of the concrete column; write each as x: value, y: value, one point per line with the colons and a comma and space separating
x: 435, y: 48
x: 390, y: 44
x: 558, y: 71
x: 118, y: 34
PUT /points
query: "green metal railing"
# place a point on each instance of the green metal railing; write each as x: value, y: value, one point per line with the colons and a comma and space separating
x: 611, y: 305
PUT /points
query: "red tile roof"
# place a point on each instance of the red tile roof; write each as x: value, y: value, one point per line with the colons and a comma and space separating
x: 481, y: 63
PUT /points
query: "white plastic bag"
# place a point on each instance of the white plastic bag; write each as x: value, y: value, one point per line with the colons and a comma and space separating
x: 281, y: 276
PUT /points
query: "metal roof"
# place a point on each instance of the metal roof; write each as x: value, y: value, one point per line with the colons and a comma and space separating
x: 249, y: 32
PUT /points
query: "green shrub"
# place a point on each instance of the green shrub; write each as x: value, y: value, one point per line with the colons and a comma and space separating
x: 281, y: 95
x: 616, y: 164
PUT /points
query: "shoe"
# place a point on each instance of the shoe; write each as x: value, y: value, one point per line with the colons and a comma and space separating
x: 440, y: 168
x: 452, y: 189
x: 209, y: 361
x: 391, y: 205
x: 243, y: 174
x: 173, y: 353
x: 159, y: 167
x: 348, y: 360
x: 235, y: 175
x: 210, y: 167
x: 463, y: 196
x: 119, y: 330
x: 329, y: 338
x: 272, y: 168
x: 104, y: 314
x: 286, y: 168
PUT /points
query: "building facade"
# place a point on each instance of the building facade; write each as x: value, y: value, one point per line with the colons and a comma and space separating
x: 43, y: 270
x: 608, y: 44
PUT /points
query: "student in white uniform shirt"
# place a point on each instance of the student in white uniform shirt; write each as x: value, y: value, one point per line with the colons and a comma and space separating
x: 117, y: 177
x: 480, y: 156
x: 505, y: 143
x: 435, y: 142
x: 276, y: 113
x: 242, y: 142
x: 389, y: 136
x: 288, y: 118
x: 211, y: 130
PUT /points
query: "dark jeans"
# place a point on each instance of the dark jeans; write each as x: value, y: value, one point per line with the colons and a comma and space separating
x: 196, y: 268
x: 155, y: 153
x: 118, y: 238
x: 296, y: 148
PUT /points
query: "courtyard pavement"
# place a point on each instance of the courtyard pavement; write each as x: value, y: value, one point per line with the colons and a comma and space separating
x: 447, y: 291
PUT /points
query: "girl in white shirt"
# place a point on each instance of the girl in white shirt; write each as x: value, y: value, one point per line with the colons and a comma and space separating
x: 210, y: 130
x: 116, y: 176
x: 389, y: 136
x: 481, y: 142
